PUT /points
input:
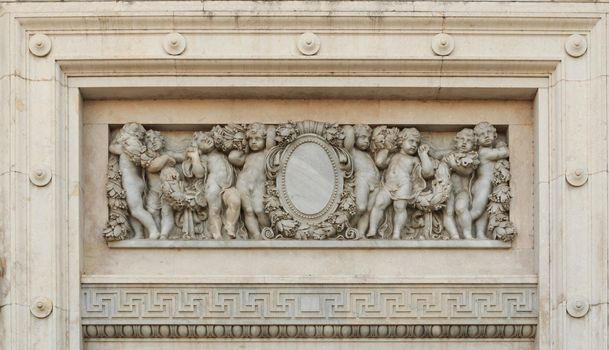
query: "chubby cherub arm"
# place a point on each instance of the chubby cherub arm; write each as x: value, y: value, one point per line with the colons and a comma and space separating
x: 427, y: 169
x: 177, y: 156
x: 237, y: 158
x: 196, y: 167
x: 499, y: 152
x: 158, y: 163
x: 457, y: 168
x: 381, y: 158
x: 199, y: 168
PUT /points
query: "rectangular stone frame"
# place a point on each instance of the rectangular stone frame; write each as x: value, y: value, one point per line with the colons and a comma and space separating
x: 571, y: 133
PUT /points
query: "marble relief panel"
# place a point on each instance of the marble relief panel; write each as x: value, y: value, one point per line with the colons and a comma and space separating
x: 308, y: 180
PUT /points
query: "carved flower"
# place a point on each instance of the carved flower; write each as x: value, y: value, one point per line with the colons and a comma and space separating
x: 286, y: 133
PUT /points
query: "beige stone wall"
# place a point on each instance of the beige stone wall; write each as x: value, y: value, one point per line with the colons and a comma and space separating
x: 514, y: 116
x: 101, y: 64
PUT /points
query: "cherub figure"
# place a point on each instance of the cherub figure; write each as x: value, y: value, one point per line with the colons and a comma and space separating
x: 366, y: 174
x: 154, y: 160
x: 251, y: 180
x: 463, y: 161
x: 206, y: 162
x: 128, y: 146
x: 403, y: 179
x: 488, y: 154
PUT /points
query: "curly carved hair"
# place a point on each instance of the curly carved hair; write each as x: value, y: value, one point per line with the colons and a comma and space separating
x: 154, y: 134
x: 255, y: 129
x: 484, y: 126
x: 409, y: 132
x: 362, y: 129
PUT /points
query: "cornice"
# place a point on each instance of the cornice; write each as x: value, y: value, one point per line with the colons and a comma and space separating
x: 308, y: 67
x: 383, y: 22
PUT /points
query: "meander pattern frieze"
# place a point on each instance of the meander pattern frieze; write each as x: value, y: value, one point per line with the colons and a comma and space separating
x: 307, y: 304
x: 309, y: 311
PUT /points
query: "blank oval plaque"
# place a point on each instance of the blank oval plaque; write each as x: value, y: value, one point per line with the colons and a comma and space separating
x: 310, y: 182
x: 309, y: 178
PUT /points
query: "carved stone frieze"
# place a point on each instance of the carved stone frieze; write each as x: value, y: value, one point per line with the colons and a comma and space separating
x: 457, y: 331
x: 308, y: 180
x: 309, y: 311
x: 308, y: 304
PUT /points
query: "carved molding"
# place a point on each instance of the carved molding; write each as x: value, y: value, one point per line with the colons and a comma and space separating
x: 462, y: 331
x: 308, y: 304
x: 339, y: 24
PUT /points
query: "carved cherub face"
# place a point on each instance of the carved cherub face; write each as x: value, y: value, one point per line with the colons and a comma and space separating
x: 154, y: 140
x: 362, y: 137
x: 485, y: 134
x: 410, y: 140
x: 204, y: 141
x: 256, y: 137
x: 465, y: 140
x: 256, y: 143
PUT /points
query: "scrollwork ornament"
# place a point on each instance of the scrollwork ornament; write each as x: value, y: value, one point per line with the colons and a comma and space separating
x: 268, y: 233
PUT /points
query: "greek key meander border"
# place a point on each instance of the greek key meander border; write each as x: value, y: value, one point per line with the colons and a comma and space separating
x: 309, y: 311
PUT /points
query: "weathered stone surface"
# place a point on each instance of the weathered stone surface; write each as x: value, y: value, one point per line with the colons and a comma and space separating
x: 73, y: 72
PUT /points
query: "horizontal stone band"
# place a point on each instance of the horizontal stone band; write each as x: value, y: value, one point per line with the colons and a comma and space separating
x: 526, y: 331
x: 431, y: 309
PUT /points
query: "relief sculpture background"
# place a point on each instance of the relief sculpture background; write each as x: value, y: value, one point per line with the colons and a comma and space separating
x: 307, y: 180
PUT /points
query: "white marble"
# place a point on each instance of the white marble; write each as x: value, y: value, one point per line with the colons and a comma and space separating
x: 514, y: 64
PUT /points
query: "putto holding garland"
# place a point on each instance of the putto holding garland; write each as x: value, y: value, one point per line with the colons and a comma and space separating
x: 308, y: 180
